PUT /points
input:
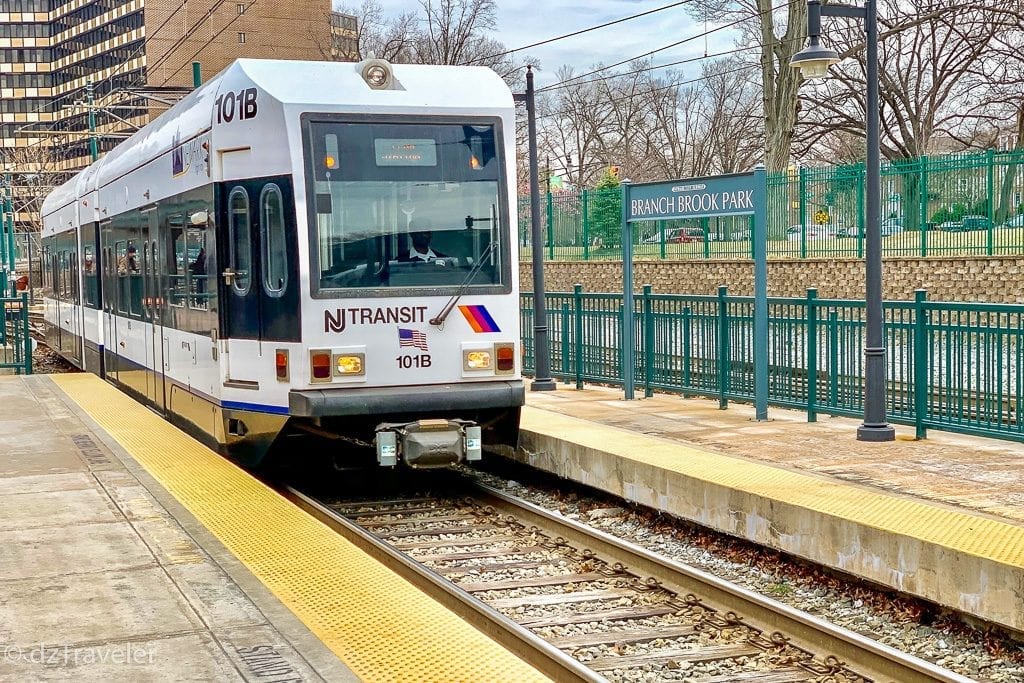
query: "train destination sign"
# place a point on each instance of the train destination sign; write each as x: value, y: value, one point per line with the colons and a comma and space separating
x: 728, y: 195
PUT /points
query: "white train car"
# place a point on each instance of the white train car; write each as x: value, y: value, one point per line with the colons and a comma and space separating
x: 314, y: 246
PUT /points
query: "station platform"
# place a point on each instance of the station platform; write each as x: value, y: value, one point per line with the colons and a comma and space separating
x: 129, y: 551
x: 940, y: 518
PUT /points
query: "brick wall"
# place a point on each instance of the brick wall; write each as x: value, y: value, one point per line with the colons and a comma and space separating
x: 987, y: 279
x: 297, y: 29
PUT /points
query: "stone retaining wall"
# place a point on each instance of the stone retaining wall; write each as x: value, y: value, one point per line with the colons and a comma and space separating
x: 970, y: 278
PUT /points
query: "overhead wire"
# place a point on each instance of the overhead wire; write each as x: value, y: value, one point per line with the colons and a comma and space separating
x: 208, y: 42
x: 582, y: 31
x: 109, y: 76
x: 688, y: 39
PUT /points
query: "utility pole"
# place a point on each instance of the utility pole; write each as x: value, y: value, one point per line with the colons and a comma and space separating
x: 94, y: 151
x: 542, y: 380
x: 5, y: 209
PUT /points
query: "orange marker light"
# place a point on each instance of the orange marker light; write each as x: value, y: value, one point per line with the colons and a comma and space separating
x: 321, y: 365
x: 474, y: 163
x: 330, y: 161
x: 506, y: 358
x: 281, y: 364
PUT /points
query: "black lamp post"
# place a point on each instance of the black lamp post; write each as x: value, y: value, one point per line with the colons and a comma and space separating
x: 814, y: 62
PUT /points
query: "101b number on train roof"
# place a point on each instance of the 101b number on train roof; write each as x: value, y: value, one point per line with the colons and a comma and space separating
x: 242, y: 103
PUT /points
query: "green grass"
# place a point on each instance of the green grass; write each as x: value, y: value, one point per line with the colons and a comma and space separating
x: 909, y: 243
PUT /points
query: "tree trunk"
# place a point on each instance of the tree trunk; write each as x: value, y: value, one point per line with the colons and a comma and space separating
x: 781, y: 81
x: 1006, y: 206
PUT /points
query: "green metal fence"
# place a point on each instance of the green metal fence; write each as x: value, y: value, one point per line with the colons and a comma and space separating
x: 15, y: 340
x: 951, y: 205
x: 950, y: 366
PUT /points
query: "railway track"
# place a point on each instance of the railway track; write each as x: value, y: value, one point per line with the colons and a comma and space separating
x: 582, y: 605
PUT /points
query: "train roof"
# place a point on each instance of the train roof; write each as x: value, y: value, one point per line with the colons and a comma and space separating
x: 308, y: 85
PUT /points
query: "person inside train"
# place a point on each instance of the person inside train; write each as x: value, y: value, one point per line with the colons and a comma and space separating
x: 128, y: 262
x: 420, y: 234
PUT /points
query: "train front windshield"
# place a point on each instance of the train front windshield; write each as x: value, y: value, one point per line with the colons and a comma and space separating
x: 398, y: 205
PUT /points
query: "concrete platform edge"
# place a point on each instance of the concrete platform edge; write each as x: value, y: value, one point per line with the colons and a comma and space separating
x: 302, y: 640
x: 974, y: 585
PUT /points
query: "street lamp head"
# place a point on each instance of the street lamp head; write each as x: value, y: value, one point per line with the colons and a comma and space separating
x: 814, y: 60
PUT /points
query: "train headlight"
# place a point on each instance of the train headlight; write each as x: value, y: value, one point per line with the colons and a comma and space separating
x: 476, y: 360
x: 348, y: 365
x: 376, y: 72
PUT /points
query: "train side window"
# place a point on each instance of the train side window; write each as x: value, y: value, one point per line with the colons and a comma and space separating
x: 241, y: 245
x: 272, y: 233
x: 195, y: 249
x: 89, y: 275
x: 121, y: 251
x: 76, y: 294
x: 178, y: 264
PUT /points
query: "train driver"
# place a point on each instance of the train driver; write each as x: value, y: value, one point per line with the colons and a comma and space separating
x: 419, y: 245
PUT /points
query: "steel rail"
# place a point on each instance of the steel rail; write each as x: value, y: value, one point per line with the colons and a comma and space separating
x: 532, y: 649
x: 864, y: 655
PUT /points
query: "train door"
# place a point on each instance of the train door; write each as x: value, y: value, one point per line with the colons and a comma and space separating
x: 76, y: 336
x: 239, y: 281
x: 108, y: 264
x: 258, y: 285
x: 153, y: 305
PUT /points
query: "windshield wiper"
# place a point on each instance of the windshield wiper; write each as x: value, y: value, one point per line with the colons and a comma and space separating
x: 439, y: 319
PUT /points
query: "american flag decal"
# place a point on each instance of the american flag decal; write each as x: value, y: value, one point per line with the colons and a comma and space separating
x: 413, y: 338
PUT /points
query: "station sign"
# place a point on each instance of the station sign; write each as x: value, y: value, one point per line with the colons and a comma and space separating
x: 728, y: 195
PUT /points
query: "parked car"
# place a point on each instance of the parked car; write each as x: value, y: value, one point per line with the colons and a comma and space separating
x: 967, y: 223
x: 812, y: 232
x: 890, y: 226
x: 677, y: 236
x: 1013, y: 222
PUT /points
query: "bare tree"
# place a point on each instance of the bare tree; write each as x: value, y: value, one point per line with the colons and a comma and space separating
x: 39, y: 171
x: 929, y: 72
x: 390, y: 38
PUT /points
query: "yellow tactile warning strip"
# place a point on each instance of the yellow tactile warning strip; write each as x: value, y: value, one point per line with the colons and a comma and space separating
x: 979, y: 536
x: 382, y: 627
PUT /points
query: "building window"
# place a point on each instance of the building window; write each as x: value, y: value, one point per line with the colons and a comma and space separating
x: 241, y: 8
x: 241, y: 37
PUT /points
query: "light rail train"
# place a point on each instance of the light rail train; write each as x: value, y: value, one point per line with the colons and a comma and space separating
x: 294, y: 247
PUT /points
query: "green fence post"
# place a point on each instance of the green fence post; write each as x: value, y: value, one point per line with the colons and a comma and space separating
x: 921, y: 357
x: 803, y: 212
x: 705, y: 225
x: 812, y: 355
x: 723, y: 347
x: 27, y: 332
x: 586, y: 228
x: 551, y: 231
x: 687, y: 322
x: 648, y: 341
x: 990, y: 194
x: 924, y: 206
x: 577, y: 296
x: 833, y: 358
x: 861, y: 213
x: 565, y: 343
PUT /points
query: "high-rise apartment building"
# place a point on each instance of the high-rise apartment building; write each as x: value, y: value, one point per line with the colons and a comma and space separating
x: 119, y: 63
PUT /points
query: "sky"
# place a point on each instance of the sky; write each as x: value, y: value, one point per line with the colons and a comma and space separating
x: 521, y: 22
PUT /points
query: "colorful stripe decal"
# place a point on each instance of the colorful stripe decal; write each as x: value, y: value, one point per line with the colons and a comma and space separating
x: 479, y: 319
